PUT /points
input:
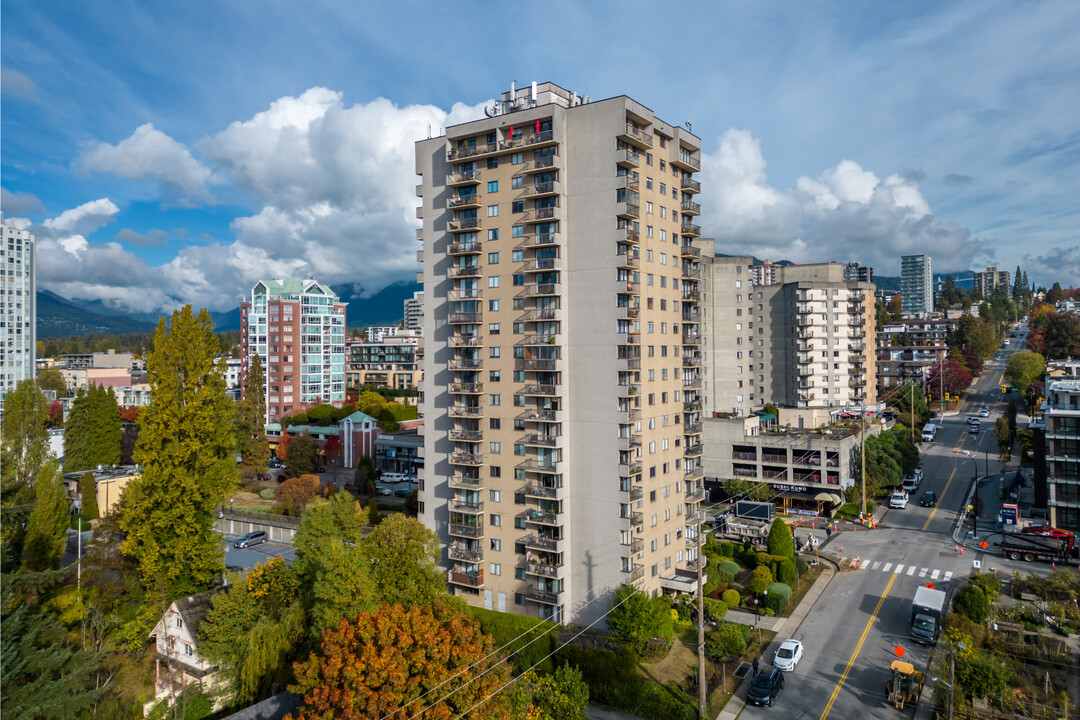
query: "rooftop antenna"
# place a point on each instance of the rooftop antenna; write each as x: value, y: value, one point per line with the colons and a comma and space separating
x: 690, y: 125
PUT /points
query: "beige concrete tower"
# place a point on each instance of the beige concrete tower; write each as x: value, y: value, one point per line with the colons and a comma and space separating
x: 561, y: 325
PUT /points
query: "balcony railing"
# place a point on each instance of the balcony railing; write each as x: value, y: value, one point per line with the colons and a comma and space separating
x: 689, y: 185
x: 467, y: 364
x: 542, y: 466
x: 538, y: 416
x: 464, y: 200
x: 541, y: 517
x: 466, y: 340
x: 467, y: 435
x: 690, y: 208
x: 460, y: 271
x: 466, y: 482
x: 539, y: 290
x: 468, y: 531
x: 550, y: 570
x: 637, y: 572
x: 541, y: 542
x: 537, y: 340
x: 535, y: 365
x: 688, y: 250
x: 546, y: 390
x: 463, y: 177
x: 465, y: 555
x: 463, y: 506
x: 539, y: 439
x: 467, y: 388
x: 472, y: 318
x: 628, y: 158
x: 690, y: 229
x: 544, y: 596
x: 468, y: 579
x: 541, y: 491
x: 462, y: 225
x: 463, y: 248
x: 637, y: 136
x: 466, y: 458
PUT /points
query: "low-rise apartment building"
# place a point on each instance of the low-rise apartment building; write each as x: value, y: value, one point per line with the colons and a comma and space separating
x: 392, y: 362
x: 109, y: 481
x: 916, y: 332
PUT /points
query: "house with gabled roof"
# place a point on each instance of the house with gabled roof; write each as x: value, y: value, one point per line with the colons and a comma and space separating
x: 176, y: 656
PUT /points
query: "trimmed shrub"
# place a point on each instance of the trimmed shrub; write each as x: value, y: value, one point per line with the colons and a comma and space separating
x: 800, y: 566
x: 780, y: 542
x: 531, y: 639
x: 760, y: 580
x: 728, y: 640
x: 787, y: 575
x: 714, y: 577
x: 731, y: 598
x: 727, y: 549
x: 778, y: 597
x: 730, y: 568
x: 971, y: 602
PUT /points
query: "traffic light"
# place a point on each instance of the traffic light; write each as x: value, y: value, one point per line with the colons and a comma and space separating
x: 1004, y: 388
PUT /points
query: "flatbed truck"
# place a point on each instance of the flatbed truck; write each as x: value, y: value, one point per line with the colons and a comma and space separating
x: 1030, y: 547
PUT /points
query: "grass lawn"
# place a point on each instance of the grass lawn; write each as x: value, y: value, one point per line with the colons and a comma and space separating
x: 722, y: 686
x: 805, y: 582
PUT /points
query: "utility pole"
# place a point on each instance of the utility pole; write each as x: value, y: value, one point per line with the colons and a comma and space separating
x: 913, y: 412
x: 702, y: 690
x: 862, y: 453
x: 952, y: 676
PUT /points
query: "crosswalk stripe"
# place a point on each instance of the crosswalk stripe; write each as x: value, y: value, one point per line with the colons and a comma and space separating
x: 947, y: 577
x: 933, y: 575
x: 899, y: 569
x: 911, y: 570
x: 922, y: 573
x: 875, y: 565
x: 886, y: 568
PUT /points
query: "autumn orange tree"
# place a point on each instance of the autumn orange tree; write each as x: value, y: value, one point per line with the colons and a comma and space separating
x: 392, y: 663
x: 293, y: 494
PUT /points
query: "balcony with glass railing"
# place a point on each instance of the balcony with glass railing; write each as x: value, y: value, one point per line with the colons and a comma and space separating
x: 464, y: 554
x: 460, y: 481
x: 539, y: 440
x: 542, y: 517
x: 463, y: 271
x: 541, y: 189
x: 465, y: 530
x: 541, y: 215
x: 628, y: 158
x: 690, y: 229
x: 466, y: 388
x: 464, y: 318
x: 537, y: 465
x: 539, y: 415
x: 472, y: 436
x: 689, y: 207
x: 689, y: 160
x: 542, y: 596
x: 464, y: 248
x: 462, y: 201
x: 536, y: 541
x: 541, y: 290
x: 467, y: 507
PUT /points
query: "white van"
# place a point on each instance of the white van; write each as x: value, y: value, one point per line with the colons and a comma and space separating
x: 392, y: 478
x: 928, y: 432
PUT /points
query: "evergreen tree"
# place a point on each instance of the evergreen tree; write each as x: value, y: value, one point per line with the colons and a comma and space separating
x: 24, y: 449
x: 301, y: 455
x: 88, y: 496
x: 185, y: 448
x: 93, y: 433
x: 46, y: 528
x: 251, y: 424
x: 41, y: 676
x: 1018, y: 287
x: 780, y: 541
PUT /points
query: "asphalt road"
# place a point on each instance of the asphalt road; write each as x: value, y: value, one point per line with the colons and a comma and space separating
x: 248, y: 558
x: 852, y: 633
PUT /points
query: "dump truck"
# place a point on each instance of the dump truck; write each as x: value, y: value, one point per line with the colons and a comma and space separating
x: 1032, y: 546
x: 926, y: 611
x: 904, y: 685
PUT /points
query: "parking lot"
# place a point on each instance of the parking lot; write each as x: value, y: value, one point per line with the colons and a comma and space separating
x: 248, y: 558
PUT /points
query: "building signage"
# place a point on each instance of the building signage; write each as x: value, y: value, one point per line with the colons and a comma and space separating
x: 1009, y: 514
x: 800, y: 511
x: 790, y: 488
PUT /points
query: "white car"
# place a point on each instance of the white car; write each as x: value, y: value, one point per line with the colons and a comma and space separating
x: 898, y: 500
x: 984, y: 413
x: 788, y: 655
x: 918, y: 473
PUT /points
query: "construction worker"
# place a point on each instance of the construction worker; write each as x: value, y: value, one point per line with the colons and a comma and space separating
x: 828, y: 531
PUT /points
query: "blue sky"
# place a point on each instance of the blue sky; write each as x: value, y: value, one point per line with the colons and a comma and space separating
x: 168, y: 153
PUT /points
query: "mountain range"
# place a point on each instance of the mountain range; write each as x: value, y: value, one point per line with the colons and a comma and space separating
x: 60, y: 317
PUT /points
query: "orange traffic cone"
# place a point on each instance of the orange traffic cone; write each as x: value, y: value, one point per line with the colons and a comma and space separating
x: 957, y: 548
x: 961, y: 551
x: 1053, y: 565
x: 841, y: 548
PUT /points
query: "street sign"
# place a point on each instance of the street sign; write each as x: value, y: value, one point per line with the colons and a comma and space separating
x: 900, y: 652
x: 1008, y: 514
x: 976, y: 564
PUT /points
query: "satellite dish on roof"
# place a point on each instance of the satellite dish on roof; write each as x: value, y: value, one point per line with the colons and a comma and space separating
x: 492, y: 110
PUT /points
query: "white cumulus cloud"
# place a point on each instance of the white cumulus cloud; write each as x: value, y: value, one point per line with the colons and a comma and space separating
x: 150, y: 154
x: 846, y: 213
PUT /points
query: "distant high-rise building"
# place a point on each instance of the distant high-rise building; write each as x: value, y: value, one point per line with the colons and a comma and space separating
x: 18, y: 307
x: 988, y: 281
x: 765, y: 273
x: 297, y: 327
x: 414, y: 311
x: 854, y: 272
x: 916, y: 285
x: 804, y: 341
x: 561, y: 391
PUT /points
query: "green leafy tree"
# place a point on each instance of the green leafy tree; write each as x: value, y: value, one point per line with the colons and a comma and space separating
x: 365, y: 476
x: 383, y: 663
x: 251, y: 423
x: 1004, y: 434
x: 404, y: 556
x: 42, y: 676
x: 323, y: 527
x: 88, y: 496
x: 1023, y: 368
x: 780, y: 542
x: 978, y: 675
x: 185, y: 448
x: 255, y: 630
x: 342, y: 589
x: 727, y: 641
x: 301, y: 455
x: 637, y: 617
x: 50, y: 378
x: 373, y: 516
x: 24, y: 449
x: 46, y: 528
x: 1060, y: 336
x: 563, y: 695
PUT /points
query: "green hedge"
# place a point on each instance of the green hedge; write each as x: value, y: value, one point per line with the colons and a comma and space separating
x: 730, y: 567
x: 731, y: 598
x: 778, y: 597
x: 505, y: 627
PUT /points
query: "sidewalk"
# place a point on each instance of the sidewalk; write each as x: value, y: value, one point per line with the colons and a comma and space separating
x: 783, y: 627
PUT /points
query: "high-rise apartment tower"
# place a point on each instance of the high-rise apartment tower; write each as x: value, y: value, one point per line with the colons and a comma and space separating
x: 18, y: 306
x: 916, y: 285
x: 297, y: 327
x: 561, y: 387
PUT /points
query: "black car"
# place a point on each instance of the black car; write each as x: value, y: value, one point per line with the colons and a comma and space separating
x: 765, y: 688
x: 929, y: 499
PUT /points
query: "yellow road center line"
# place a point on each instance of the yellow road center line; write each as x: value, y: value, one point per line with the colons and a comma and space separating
x: 858, y: 647
x: 932, y: 512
